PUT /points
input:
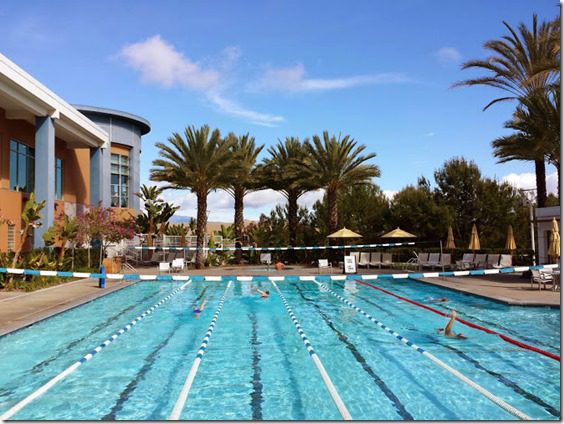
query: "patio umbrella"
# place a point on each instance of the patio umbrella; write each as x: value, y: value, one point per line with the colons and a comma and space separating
x: 398, y: 233
x: 554, y: 246
x: 474, y: 239
x: 450, y: 239
x: 344, y: 233
x: 510, y: 242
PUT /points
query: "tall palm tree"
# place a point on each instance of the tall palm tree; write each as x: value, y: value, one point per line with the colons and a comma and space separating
x: 523, y: 63
x: 283, y: 172
x: 335, y: 163
x: 244, y: 180
x: 199, y: 160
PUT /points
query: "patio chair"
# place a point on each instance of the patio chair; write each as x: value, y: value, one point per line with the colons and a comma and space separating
x: 505, y: 261
x: 364, y: 259
x: 266, y: 258
x: 376, y: 259
x: 356, y: 256
x: 493, y: 260
x: 324, y: 264
x: 541, y: 277
x: 422, y: 259
x: 466, y: 262
x: 480, y: 260
x: 177, y: 264
x: 164, y: 267
x: 170, y: 256
x: 433, y: 261
x: 446, y: 260
x: 387, y: 260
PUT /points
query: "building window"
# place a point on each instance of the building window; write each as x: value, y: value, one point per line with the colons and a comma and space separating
x: 22, y: 167
x: 11, y: 238
x: 120, y: 181
x: 58, y: 179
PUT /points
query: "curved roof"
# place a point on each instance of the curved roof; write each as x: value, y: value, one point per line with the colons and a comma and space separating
x: 142, y: 123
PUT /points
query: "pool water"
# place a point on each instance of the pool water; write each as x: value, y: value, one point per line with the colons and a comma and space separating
x: 257, y: 368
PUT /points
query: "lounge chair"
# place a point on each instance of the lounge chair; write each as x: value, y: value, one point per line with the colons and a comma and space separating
x: 164, y: 267
x: 446, y: 260
x: 422, y: 258
x: 480, y: 260
x: 177, y: 264
x: 433, y: 261
x: 376, y: 259
x: 364, y: 259
x: 505, y: 261
x: 466, y: 262
x: 493, y: 260
x: 266, y: 258
x: 387, y: 260
x: 541, y: 277
x: 356, y: 256
x: 170, y: 256
x: 324, y: 264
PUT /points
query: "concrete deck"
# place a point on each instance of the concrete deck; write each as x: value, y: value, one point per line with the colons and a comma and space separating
x: 18, y: 309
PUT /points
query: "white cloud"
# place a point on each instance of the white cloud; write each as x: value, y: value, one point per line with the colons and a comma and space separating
x: 390, y: 194
x: 309, y: 198
x: 159, y: 62
x: 430, y: 134
x: 528, y: 180
x: 264, y: 198
x: 448, y: 55
x: 293, y: 79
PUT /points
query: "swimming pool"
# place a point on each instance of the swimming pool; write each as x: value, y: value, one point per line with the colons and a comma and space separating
x: 257, y: 367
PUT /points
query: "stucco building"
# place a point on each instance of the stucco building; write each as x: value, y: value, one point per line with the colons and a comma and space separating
x: 69, y: 156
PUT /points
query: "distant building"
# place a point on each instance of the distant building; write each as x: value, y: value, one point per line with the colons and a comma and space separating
x: 69, y: 156
x: 543, y: 219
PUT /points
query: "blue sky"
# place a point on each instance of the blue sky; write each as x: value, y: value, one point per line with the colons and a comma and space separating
x: 377, y: 70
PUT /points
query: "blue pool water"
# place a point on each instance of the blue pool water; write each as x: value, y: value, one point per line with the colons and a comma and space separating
x: 256, y: 366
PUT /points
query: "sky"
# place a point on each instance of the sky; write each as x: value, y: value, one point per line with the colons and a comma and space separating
x: 379, y: 71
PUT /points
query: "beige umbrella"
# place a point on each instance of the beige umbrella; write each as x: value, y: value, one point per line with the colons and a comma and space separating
x: 344, y: 233
x: 450, y: 239
x: 474, y: 239
x: 554, y: 246
x: 510, y: 242
x: 398, y: 233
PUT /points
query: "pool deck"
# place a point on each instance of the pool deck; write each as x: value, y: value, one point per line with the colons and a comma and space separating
x: 19, y: 309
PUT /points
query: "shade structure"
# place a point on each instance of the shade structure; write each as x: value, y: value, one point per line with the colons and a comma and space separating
x: 450, y: 239
x: 398, y: 233
x: 474, y: 239
x: 510, y: 241
x: 344, y: 233
x: 554, y: 246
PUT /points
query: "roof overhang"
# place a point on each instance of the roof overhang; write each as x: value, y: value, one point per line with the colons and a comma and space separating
x: 23, y: 97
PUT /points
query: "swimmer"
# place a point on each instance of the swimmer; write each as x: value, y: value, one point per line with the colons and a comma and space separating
x: 265, y: 293
x: 197, y: 311
x: 437, y: 299
x: 448, y: 329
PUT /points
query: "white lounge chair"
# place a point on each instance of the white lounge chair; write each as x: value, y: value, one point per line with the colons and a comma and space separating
x: 466, y: 262
x: 480, y: 260
x: 364, y: 259
x: 505, y: 261
x: 164, y: 267
x: 324, y: 264
x: 446, y: 260
x: 540, y: 277
x: 433, y: 261
x: 493, y: 260
x: 177, y: 264
x: 422, y: 259
x: 266, y: 258
x: 387, y: 260
x: 356, y: 256
x: 376, y: 259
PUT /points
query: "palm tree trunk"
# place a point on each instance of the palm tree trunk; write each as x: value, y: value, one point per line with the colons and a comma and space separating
x: 540, y: 173
x: 239, y: 221
x: 333, y: 211
x: 201, y: 224
x: 292, y: 218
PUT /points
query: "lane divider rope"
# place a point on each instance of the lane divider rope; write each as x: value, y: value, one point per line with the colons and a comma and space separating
x: 43, y: 389
x: 183, y: 396
x: 326, y: 379
x: 170, y: 277
x: 467, y: 323
x: 500, y: 402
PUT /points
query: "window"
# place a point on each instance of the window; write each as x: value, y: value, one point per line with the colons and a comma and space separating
x: 11, y: 238
x: 120, y: 181
x: 22, y: 167
x: 58, y: 179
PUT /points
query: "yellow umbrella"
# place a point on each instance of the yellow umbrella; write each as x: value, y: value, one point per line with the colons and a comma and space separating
x: 474, y: 239
x: 344, y: 233
x: 398, y: 233
x: 450, y: 239
x: 510, y: 242
x: 554, y: 246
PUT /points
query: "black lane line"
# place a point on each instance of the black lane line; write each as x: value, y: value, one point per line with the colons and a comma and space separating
x: 147, y: 365
x: 297, y: 405
x: 509, y: 383
x: 400, y: 408
x: 195, y: 303
x: 256, y: 394
x: 37, y: 368
x: 370, y: 302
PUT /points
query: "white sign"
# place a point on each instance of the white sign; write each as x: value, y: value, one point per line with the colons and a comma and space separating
x: 350, y: 265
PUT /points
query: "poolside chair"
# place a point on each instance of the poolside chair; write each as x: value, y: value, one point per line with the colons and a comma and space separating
x: 480, y: 260
x: 446, y: 260
x: 170, y: 256
x: 433, y: 261
x: 493, y: 260
x: 164, y: 267
x: 505, y: 261
x: 324, y: 264
x: 466, y: 262
x: 376, y: 259
x: 387, y: 260
x: 177, y: 264
x: 156, y: 257
x: 356, y: 256
x: 422, y: 258
x: 364, y: 259
x: 541, y: 277
x: 266, y: 258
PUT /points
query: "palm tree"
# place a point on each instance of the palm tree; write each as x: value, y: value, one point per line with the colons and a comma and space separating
x: 335, y: 163
x: 150, y: 197
x: 31, y: 215
x: 199, y: 160
x: 244, y: 180
x: 284, y: 172
x: 523, y: 63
